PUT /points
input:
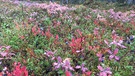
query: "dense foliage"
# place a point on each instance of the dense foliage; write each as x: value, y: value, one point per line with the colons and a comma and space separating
x: 48, y: 39
x: 85, y: 1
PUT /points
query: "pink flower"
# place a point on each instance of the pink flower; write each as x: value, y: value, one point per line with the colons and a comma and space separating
x: 62, y: 64
x: 3, y: 54
x: 115, y: 41
x: 117, y: 44
x: 66, y: 65
x: 82, y: 67
x: 49, y: 53
x: 104, y: 71
x: 53, y: 8
x: 113, y: 54
x: 106, y: 42
x: 100, y: 57
x: 58, y: 64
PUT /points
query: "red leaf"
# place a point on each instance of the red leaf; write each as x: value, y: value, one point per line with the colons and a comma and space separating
x: 88, y: 73
x: 68, y: 73
x: 48, y: 34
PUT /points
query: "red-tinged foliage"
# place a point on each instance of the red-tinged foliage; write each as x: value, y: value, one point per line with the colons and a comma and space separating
x: 17, y: 25
x: 48, y: 34
x: 88, y: 73
x: 38, y: 31
x: 127, y: 30
x: 56, y: 23
x: 68, y: 73
x: 76, y: 44
x: 96, y: 22
x: 18, y: 70
x: 43, y: 34
x: 0, y: 73
x: 22, y: 37
x: 34, y: 30
x: 132, y: 22
x: 56, y: 39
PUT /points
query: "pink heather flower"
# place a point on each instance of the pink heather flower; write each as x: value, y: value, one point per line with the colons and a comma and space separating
x: 116, y: 41
x: 117, y: 44
x: 100, y: 57
x: 132, y: 11
x: 106, y: 42
x: 3, y: 54
x: 49, y: 53
x: 62, y: 64
x: 6, y: 52
x: 5, y: 47
x: 59, y: 59
x: 53, y: 8
x: 111, y: 11
x: 104, y: 71
x: 82, y: 67
x: 58, y: 64
x: 113, y: 54
x: 114, y: 35
x: 66, y: 65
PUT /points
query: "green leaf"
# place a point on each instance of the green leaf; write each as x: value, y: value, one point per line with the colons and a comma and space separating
x: 39, y: 51
x: 60, y: 72
x: 117, y: 74
x: 129, y: 67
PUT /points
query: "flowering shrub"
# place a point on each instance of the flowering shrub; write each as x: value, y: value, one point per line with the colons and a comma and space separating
x: 48, y: 39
